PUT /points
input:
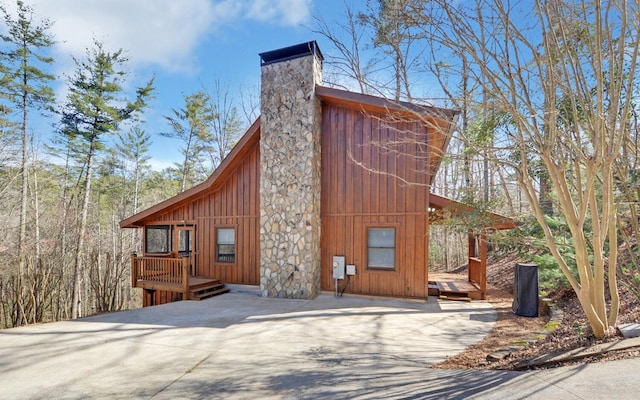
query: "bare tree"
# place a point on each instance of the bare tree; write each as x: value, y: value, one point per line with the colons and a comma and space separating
x: 250, y: 104
x: 226, y: 127
x: 564, y: 73
x: 348, y: 40
x: 26, y: 84
x: 395, y: 35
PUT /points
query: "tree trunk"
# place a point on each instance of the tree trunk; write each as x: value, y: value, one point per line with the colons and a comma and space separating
x: 78, y: 269
x: 22, y: 238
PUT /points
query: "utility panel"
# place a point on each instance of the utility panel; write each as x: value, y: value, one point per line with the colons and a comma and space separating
x: 338, y: 267
x: 351, y: 269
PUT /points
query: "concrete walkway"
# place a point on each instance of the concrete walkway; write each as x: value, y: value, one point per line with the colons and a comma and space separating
x: 243, y: 346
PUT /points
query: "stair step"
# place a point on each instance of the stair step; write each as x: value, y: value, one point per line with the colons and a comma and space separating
x: 212, y: 288
x: 206, y: 294
x: 462, y: 296
x: 206, y: 284
x: 433, y: 289
x: 458, y: 298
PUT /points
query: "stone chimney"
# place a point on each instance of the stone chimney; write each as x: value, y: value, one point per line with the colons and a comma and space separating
x: 290, y: 172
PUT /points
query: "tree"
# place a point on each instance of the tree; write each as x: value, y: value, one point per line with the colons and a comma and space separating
x: 27, y: 86
x: 192, y: 125
x: 564, y: 72
x: 134, y: 148
x: 348, y: 60
x: 394, y: 34
x: 226, y: 127
x: 95, y: 109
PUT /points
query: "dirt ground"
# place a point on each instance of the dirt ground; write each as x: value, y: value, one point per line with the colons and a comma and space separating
x: 573, y: 332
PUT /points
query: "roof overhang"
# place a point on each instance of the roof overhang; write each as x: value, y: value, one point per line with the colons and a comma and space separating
x: 474, y: 217
x: 251, y: 136
x: 441, y: 120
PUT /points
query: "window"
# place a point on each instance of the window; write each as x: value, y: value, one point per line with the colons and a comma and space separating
x: 226, y: 245
x: 381, y: 248
x: 185, y: 239
x: 157, y: 239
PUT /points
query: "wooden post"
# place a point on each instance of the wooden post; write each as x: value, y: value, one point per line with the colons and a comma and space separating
x: 483, y: 264
x: 472, y: 254
x: 185, y: 278
x: 134, y: 271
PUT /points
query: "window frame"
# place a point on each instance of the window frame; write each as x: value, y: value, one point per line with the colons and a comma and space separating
x: 217, y: 245
x: 382, y: 268
x: 168, y: 228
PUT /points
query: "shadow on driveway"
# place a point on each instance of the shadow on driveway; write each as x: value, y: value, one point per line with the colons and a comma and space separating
x: 242, y: 345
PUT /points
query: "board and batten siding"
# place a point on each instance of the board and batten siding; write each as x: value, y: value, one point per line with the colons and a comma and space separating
x: 374, y: 174
x: 234, y: 202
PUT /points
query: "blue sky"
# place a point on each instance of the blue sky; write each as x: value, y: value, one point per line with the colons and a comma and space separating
x: 185, y: 43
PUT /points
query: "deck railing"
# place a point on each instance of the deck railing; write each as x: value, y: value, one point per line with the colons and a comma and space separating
x: 164, y: 270
x: 478, y: 274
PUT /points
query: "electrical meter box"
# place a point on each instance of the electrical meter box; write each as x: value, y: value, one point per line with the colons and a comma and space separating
x: 338, y: 267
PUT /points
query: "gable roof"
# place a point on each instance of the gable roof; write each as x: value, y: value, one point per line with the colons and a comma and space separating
x: 227, y: 166
x: 443, y: 118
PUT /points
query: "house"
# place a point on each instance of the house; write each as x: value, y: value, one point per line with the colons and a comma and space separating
x: 324, y: 176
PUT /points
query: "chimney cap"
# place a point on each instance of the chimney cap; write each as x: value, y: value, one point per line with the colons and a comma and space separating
x: 291, y: 52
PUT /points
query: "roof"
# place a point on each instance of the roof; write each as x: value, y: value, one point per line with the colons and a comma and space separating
x: 444, y: 118
x: 460, y: 210
x: 224, y: 169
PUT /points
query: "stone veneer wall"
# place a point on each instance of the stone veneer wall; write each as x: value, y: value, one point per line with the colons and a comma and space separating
x: 290, y: 179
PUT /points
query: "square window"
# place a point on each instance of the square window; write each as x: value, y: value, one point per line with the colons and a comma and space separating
x: 157, y: 239
x: 381, y: 248
x: 226, y: 245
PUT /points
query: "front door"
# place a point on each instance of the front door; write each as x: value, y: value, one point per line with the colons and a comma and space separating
x: 185, y: 242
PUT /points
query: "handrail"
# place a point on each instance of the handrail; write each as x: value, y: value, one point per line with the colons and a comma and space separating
x: 477, y: 273
x: 161, y: 269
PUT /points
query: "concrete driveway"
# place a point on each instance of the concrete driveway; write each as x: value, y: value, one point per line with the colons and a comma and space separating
x: 241, y: 346
x: 238, y: 345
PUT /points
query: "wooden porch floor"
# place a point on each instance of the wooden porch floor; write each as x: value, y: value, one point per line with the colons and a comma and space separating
x: 453, y: 287
x: 194, y: 283
x: 199, y: 287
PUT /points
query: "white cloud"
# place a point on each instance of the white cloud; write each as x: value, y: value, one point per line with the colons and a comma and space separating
x: 161, y: 32
x: 283, y: 12
x: 156, y: 32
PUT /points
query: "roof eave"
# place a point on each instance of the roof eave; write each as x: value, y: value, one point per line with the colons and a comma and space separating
x: 498, y: 222
x: 360, y: 100
x: 135, y: 221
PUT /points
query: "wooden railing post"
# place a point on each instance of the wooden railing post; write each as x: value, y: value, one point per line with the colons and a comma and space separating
x: 134, y: 271
x: 483, y: 264
x: 185, y: 278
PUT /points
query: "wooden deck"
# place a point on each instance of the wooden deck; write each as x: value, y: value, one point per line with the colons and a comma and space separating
x: 172, y: 274
x: 199, y: 287
x: 194, y: 283
x: 453, y: 287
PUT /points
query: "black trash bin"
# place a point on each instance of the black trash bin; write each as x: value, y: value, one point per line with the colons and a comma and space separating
x: 525, y: 290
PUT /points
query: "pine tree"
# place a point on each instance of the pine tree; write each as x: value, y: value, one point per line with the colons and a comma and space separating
x: 27, y: 86
x: 192, y: 125
x: 95, y: 108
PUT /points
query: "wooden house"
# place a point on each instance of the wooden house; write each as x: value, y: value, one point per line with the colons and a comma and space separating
x: 323, y: 178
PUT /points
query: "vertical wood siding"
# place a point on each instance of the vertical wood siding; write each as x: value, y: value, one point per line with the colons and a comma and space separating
x: 355, y: 197
x: 233, y: 203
